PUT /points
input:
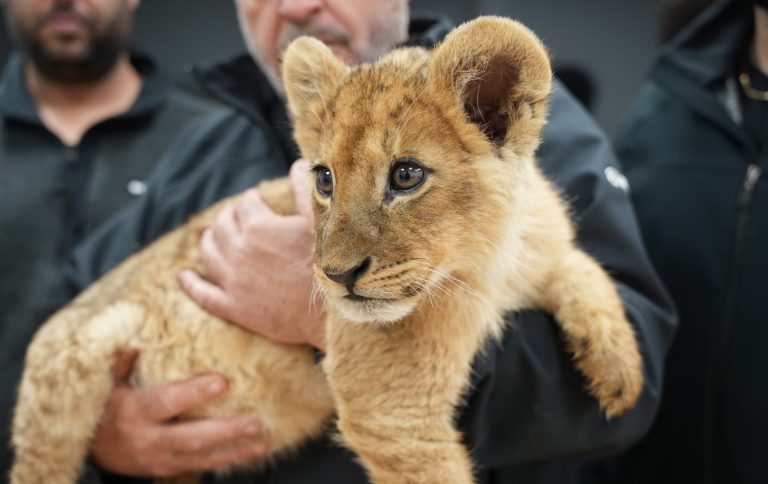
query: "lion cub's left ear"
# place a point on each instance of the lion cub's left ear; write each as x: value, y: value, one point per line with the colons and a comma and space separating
x: 311, y: 74
x: 499, y: 74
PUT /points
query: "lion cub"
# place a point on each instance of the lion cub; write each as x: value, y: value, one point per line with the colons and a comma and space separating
x: 432, y: 221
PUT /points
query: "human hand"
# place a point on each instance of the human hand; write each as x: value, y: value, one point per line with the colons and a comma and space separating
x: 259, y: 267
x: 137, y: 435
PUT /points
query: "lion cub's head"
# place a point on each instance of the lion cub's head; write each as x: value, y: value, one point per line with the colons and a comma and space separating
x: 417, y: 158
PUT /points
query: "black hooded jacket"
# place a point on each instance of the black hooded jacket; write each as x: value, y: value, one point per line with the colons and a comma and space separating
x: 528, y: 415
x: 702, y: 204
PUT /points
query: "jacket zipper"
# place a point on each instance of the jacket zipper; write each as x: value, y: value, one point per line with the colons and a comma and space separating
x: 744, y: 203
x: 745, y: 199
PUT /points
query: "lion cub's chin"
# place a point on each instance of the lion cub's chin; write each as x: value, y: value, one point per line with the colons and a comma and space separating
x: 373, y: 310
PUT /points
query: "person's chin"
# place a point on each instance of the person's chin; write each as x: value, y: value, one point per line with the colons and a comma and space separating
x: 66, y: 49
x: 343, y: 52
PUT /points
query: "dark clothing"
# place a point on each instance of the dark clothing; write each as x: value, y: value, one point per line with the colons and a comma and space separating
x: 52, y: 195
x: 755, y: 112
x: 528, y: 414
x: 694, y: 171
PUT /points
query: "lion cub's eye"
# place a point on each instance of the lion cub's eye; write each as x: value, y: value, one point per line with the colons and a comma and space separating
x: 406, y: 175
x: 324, y: 181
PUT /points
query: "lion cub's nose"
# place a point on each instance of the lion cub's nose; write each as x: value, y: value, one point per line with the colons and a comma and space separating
x: 348, y: 277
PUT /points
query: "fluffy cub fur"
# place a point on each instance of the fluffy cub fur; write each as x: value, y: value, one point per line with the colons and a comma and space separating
x: 432, y: 221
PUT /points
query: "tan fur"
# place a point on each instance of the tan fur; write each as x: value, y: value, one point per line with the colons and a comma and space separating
x: 485, y: 234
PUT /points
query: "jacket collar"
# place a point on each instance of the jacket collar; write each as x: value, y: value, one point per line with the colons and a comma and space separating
x: 708, y: 49
x: 17, y: 104
x: 698, y: 65
x: 239, y: 83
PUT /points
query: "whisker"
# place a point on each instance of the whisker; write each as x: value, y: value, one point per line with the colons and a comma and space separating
x: 428, y: 291
x: 460, y: 284
x: 314, y: 296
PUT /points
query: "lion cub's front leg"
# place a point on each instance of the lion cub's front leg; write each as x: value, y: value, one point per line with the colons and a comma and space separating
x: 589, y: 311
x: 396, y: 387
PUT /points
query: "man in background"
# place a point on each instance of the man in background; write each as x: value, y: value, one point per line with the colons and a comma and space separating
x: 82, y: 123
x: 528, y: 416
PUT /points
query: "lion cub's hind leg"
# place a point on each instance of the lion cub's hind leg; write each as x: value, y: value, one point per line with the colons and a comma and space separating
x: 591, y: 316
x: 67, y: 379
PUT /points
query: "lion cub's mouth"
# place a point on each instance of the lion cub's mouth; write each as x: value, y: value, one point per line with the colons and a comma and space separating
x: 359, y: 298
x: 364, y: 309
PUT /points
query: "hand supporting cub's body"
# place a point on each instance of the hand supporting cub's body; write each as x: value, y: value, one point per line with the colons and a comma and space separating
x: 141, y: 434
x: 259, y: 267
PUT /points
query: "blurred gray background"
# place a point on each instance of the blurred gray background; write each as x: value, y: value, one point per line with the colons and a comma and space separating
x: 613, y: 42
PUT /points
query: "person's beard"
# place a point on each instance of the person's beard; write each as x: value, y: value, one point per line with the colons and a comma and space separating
x: 104, y: 46
x: 380, y: 41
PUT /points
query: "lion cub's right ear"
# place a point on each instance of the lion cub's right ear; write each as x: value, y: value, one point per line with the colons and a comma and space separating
x: 311, y: 74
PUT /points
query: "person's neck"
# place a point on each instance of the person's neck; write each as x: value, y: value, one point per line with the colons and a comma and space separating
x: 760, y: 40
x: 69, y: 110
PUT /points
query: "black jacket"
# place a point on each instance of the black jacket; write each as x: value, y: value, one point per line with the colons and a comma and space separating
x: 528, y: 415
x: 52, y: 195
x: 704, y: 216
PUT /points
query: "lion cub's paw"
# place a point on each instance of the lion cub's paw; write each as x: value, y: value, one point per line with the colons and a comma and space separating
x: 613, y: 368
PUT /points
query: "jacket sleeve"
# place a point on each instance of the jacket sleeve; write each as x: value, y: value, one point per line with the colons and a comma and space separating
x: 218, y: 157
x: 528, y: 402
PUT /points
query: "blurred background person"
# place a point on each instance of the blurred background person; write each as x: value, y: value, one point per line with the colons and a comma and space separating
x: 82, y: 122
x: 694, y: 146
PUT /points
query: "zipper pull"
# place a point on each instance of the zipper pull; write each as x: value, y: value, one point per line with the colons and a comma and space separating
x: 753, y: 174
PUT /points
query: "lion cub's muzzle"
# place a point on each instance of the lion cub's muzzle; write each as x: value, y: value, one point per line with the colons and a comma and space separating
x: 368, y: 292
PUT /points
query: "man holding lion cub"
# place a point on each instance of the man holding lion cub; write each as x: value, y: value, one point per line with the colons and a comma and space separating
x: 527, y: 414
